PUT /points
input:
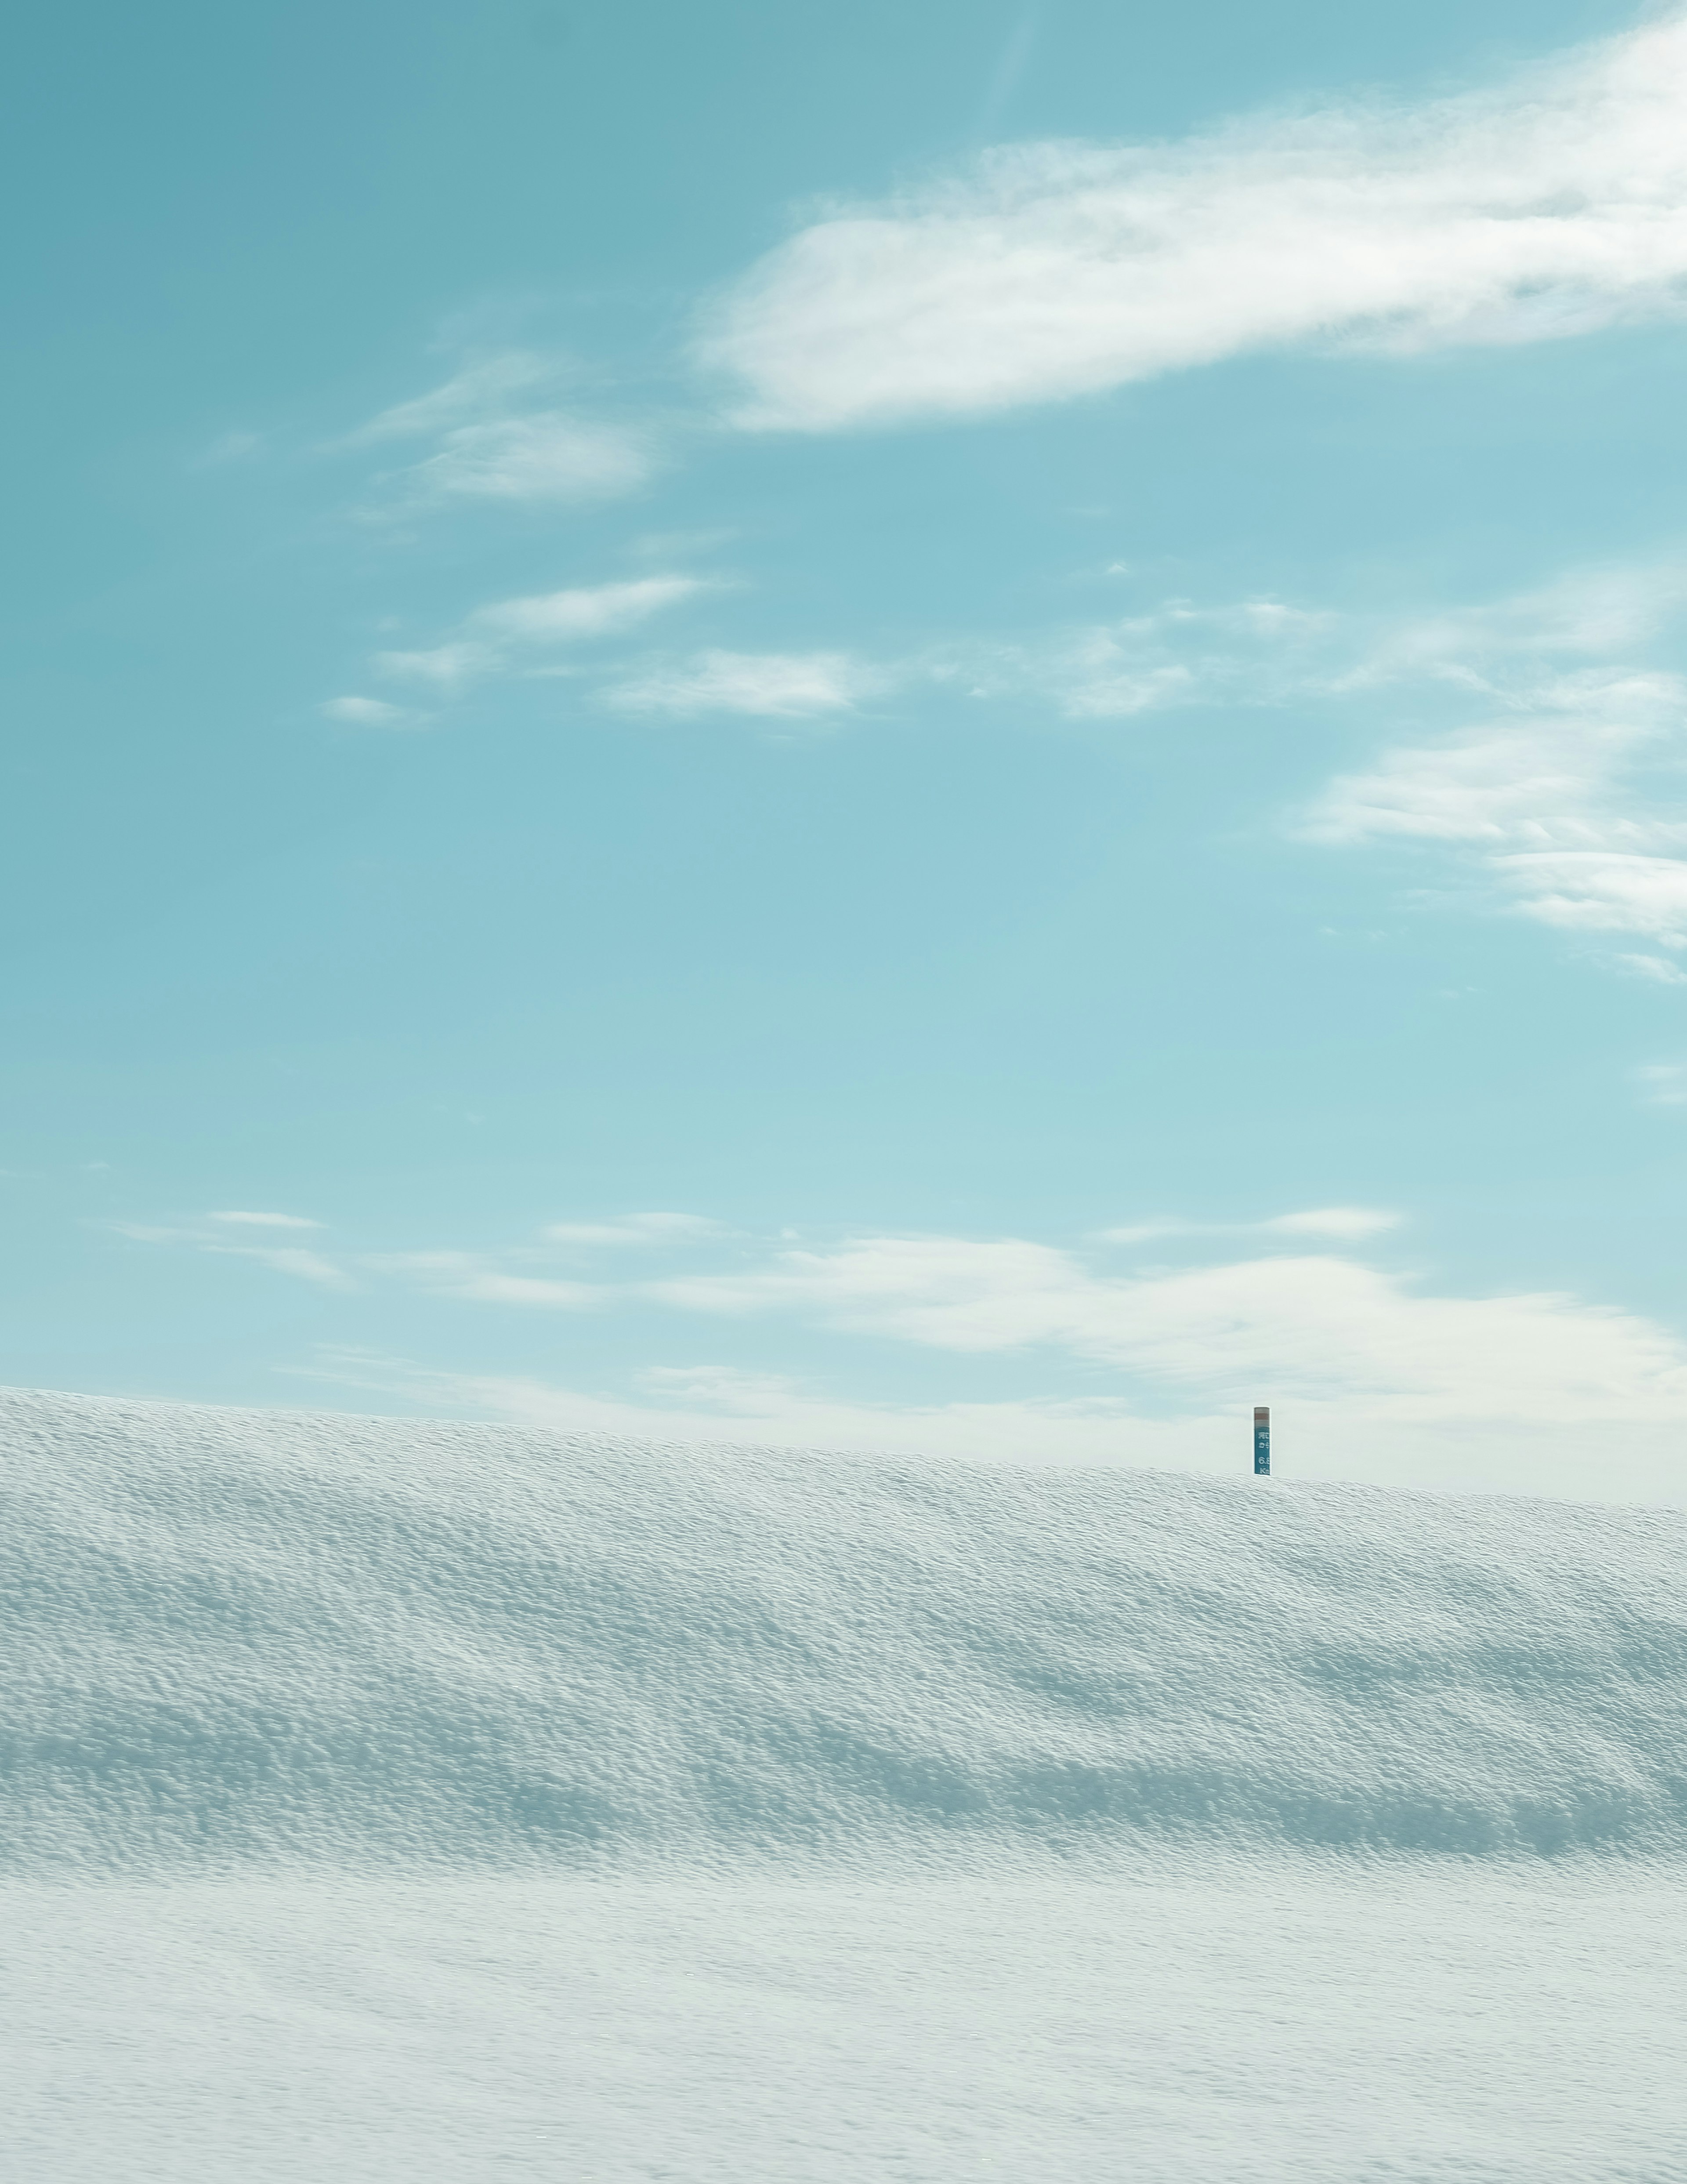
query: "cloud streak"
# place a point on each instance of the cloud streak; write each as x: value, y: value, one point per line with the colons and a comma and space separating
x: 1321, y: 1328
x: 1558, y: 799
x: 512, y: 634
x: 773, y: 686
x: 496, y: 437
x: 1554, y: 205
x: 1297, y: 1313
x: 295, y: 1261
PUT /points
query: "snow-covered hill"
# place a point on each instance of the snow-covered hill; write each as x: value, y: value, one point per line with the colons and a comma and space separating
x: 233, y: 1637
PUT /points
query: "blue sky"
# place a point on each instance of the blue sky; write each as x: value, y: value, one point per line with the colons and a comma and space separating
x: 925, y: 729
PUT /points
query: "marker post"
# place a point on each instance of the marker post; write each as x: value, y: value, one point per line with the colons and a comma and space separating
x: 1261, y: 1440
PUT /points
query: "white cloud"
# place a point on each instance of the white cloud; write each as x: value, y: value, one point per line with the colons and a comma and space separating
x: 1321, y: 1329
x: 1370, y: 1373
x: 1552, y: 206
x: 446, y: 667
x: 1250, y: 652
x: 1601, y: 891
x: 1544, y: 778
x: 1550, y: 795
x: 473, y: 1276
x: 1656, y: 970
x: 789, y: 686
x: 265, y: 1220
x: 1367, y: 1379
x: 489, y: 1287
x: 495, y: 639
x: 303, y: 1265
x: 546, y: 457
x: 1591, y: 612
x: 366, y: 713
x: 290, y: 1259
x: 640, y: 1228
x: 1347, y: 1223
x: 569, y: 616
x: 488, y: 386
x: 495, y: 438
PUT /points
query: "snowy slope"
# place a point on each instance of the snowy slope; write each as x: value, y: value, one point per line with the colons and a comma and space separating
x: 235, y: 1637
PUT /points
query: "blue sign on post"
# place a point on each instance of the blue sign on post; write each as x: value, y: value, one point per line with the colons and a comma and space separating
x: 1261, y: 1441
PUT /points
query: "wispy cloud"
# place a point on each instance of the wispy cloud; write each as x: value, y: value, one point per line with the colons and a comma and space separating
x: 1662, y: 1083
x: 722, y: 1403
x: 490, y: 384
x: 1180, y: 652
x: 1653, y: 970
x: 482, y: 1278
x: 526, y: 1274
x: 368, y: 713
x: 512, y: 635
x: 1357, y: 1362
x: 782, y: 686
x: 499, y: 435
x: 1550, y: 206
x: 264, y: 1220
x: 303, y: 1265
x: 548, y: 456
x: 295, y: 1261
x: 1344, y: 1224
x: 1556, y: 791
x: 643, y: 1229
x: 1152, y: 1365
x: 1325, y: 1329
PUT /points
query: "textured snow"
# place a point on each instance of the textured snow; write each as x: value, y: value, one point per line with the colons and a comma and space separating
x: 382, y: 1798
x: 237, y: 1635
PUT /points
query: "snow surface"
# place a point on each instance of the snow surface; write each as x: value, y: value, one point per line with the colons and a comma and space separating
x: 447, y: 1802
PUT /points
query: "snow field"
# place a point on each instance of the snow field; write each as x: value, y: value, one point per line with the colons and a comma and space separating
x: 445, y: 1803
x: 1445, y: 2022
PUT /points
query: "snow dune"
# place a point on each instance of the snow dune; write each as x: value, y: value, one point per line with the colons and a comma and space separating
x: 240, y: 1641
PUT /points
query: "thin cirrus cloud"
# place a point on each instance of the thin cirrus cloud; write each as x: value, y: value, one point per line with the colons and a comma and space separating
x: 498, y: 435
x: 513, y: 634
x: 776, y: 686
x: 1550, y: 206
